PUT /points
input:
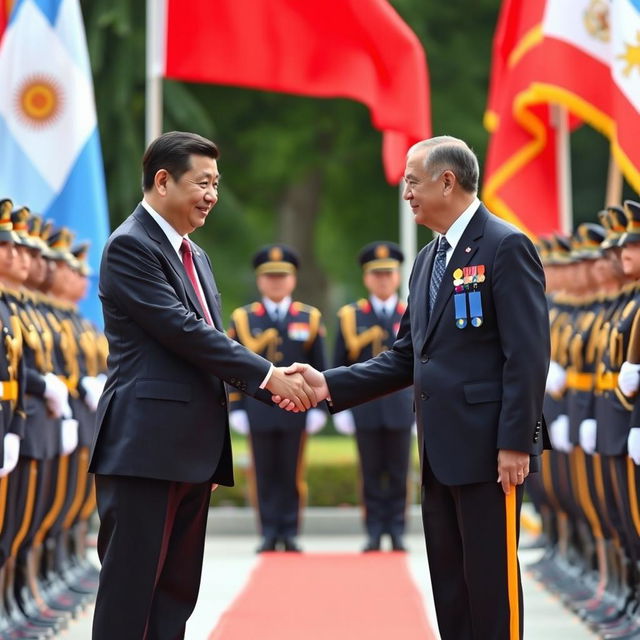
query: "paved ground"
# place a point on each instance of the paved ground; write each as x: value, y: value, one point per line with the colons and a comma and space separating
x: 230, y: 558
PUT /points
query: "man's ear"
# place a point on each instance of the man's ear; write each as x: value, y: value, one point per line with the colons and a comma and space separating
x: 160, y: 181
x: 449, y: 181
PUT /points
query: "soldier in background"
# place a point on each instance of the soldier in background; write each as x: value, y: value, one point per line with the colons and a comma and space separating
x: 283, y: 331
x: 382, y: 426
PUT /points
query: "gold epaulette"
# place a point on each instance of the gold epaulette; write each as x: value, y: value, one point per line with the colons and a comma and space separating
x: 267, y: 340
x: 354, y: 341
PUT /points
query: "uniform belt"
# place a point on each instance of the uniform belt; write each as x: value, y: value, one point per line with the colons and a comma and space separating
x: 607, y: 381
x: 580, y: 381
x: 9, y: 390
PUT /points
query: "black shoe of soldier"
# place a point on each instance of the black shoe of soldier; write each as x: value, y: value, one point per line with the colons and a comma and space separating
x: 373, y: 544
x: 268, y: 544
x: 291, y: 544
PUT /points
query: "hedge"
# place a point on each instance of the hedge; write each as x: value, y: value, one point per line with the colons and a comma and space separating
x: 331, y: 473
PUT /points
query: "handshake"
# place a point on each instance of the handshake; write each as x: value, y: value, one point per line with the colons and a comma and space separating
x: 297, y: 387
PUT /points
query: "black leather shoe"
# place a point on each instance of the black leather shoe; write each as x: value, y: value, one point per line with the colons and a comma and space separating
x: 291, y: 544
x: 268, y: 544
x: 373, y: 544
x: 397, y: 543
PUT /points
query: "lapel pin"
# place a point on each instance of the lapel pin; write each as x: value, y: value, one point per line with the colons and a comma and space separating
x: 467, y: 250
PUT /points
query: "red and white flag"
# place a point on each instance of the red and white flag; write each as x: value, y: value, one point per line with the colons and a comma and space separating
x: 581, y: 54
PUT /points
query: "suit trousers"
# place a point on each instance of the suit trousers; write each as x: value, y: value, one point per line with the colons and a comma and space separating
x: 150, y: 544
x: 473, y: 558
x: 277, y: 458
x: 384, y: 463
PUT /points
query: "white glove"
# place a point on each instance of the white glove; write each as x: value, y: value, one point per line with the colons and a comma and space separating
x: 315, y: 421
x: 92, y: 390
x: 344, y: 423
x: 588, y: 430
x: 559, y: 434
x: 633, y: 444
x: 69, y: 433
x: 11, y: 453
x: 239, y: 421
x: 56, y: 395
x: 556, y: 378
x: 629, y: 378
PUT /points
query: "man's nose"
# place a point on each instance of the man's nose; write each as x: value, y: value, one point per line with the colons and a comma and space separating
x: 406, y: 192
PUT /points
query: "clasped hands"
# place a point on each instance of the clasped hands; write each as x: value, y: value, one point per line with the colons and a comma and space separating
x: 297, y: 387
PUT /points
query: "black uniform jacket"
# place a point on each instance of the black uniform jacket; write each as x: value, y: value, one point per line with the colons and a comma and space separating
x: 362, y: 335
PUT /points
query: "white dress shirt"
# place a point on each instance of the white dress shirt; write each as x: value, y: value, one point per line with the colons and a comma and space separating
x: 384, y: 308
x: 455, y: 231
x: 277, y: 310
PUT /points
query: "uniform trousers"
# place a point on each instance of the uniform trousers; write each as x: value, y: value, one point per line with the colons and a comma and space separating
x: 384, y: 462
x: 150, y: 544
x: 277, y: 458
x: 471, y: 533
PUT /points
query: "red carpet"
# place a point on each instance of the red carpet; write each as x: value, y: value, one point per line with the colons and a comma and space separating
x: 327, y: 596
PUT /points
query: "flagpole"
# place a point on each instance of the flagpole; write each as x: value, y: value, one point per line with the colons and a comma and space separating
x: 560, y: 120
x: 156, y: 19
x: 408, y: 240
x: 614, y: 183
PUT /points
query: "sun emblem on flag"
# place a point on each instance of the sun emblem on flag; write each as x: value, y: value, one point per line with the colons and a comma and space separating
x: 39, y: 100
x: 631, y: 56
x: 596, y: 20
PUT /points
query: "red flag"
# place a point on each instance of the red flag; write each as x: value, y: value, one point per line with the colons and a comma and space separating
x: 350, y: 49
x: 520, y: 171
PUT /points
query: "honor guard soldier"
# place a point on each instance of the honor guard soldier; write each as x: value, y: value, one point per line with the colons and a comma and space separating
x: 383, y: 426
x: 283, y: 331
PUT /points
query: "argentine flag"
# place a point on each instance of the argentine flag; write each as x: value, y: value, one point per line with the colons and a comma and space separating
x: 50, y: 158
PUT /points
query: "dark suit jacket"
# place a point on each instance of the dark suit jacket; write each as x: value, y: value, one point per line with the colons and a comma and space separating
x: 356, y: 341
x: 298, y: 337
x: 477, y: 389
x: 163, y: 413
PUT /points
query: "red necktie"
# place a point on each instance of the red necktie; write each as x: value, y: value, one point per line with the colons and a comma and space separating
x: 187, y: 260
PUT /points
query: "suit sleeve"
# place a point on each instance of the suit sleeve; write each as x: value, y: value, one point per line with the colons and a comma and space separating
x: 236, y: 398
x: 523, y: 325
x: 133, y: 280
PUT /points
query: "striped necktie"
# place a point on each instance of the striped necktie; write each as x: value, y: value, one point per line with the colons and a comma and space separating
x: 439, y: 266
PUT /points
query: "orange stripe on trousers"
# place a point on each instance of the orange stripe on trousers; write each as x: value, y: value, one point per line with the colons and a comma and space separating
x: 512, y: 565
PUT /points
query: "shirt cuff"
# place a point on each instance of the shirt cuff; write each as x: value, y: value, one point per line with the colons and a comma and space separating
x: 265, y: 382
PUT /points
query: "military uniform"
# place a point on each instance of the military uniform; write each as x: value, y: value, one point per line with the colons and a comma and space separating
x: 382, y: 426
x: 277, y: 437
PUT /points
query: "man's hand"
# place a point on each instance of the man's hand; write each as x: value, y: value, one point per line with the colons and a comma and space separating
x: 290, y: 391
x: 313, y: 377
x: 513, y: 468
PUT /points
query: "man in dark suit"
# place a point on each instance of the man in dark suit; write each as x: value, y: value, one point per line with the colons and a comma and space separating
x: 383, y: 426
x: 474, y: 342
x: 283, y: 331
x: 162, y: 436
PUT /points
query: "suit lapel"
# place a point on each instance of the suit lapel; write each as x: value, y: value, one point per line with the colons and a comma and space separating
x: 462, y: 255
x: 211, y: 294
x: 157, y: 234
